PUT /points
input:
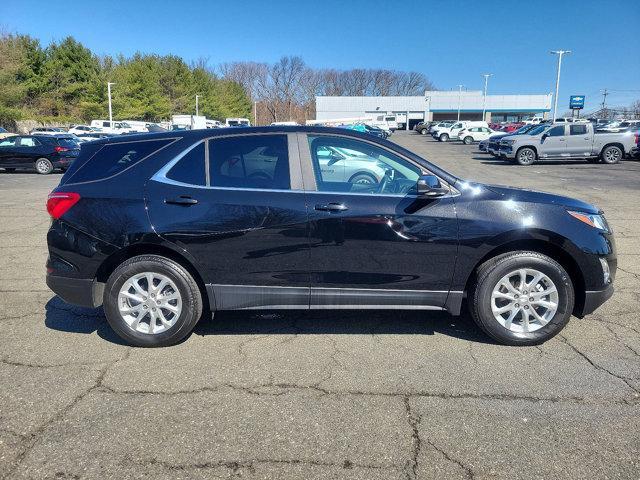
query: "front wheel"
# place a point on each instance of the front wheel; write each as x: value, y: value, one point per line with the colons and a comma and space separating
x: 522, y: 298
x: 611, y: 155
x: 423, y: 131
x: 468, y: 140
x: 444, y: 137
x: 526, y: 156
x: 152, y: 301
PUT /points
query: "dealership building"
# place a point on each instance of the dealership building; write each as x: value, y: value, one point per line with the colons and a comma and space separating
x: 436, y: 105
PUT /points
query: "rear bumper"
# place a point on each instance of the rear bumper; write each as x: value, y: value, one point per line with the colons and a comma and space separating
x: 594, y: 299
x: 78, y: 291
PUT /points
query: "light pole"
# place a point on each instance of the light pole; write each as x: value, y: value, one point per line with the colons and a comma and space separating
x: 197, y: 96
x: 110, y: 110
x: 484, y: 98
x: 459, y: 99
x: 560, y: 53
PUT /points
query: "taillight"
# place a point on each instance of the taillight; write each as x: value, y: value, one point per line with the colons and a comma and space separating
x: 59, y: 202
x: 61, y: 149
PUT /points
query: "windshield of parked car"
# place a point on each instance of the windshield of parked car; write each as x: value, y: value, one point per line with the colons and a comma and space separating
x: 537, y: 130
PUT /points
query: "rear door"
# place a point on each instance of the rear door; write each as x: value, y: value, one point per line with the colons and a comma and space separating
x: 554, y: 143
x: 235, y: 203
x: 375, y: 243
x: 579, y: 140
x: 26, y: 151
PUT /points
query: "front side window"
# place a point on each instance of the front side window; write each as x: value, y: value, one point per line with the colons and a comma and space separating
x: 577, y: 130
x: 190, y: 169
x: 352, y: 166
x: 254, y: 161
x: 556, y: 131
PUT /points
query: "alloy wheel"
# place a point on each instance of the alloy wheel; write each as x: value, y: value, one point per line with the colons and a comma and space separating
x: 149, y: 303
x: 524, y: 300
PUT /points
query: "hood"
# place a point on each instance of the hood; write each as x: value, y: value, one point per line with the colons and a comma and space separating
x: 532, y: 196
x: 499, y: 135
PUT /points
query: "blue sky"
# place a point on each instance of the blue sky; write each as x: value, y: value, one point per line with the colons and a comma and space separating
x: 451, y: 41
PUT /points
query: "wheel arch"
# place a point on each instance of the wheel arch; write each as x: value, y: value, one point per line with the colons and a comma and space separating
x: 613, y: 144
x: 532, y: 147
x: 111, y: 263
x: 549, y: 249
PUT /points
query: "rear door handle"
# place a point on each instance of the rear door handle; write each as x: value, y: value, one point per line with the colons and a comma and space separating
x: 181, y: 200
x: 332, y: 207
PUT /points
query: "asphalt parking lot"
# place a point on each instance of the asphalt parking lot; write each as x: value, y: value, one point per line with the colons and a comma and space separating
x: 343, y: 394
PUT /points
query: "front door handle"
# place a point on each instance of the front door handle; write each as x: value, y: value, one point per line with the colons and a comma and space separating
x: 332, y: 207
x: 181, y: 200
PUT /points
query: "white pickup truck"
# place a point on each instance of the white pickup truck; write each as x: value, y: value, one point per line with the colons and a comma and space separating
x: 567, y: 140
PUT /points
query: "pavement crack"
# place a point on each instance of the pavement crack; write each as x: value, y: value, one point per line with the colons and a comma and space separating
x: 598, y: 366
x: 467, y: 470
x: 621, y: 341
x: 411, y: 469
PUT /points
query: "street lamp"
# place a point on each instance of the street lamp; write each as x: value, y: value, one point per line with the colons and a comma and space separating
x: 459, y: 99
x: 110, y: 110
x: 484, y: 98
x: 560, y: 53
x: 197, y: 96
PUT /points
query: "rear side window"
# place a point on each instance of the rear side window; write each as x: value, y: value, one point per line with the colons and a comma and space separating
x: 67, y: 142
x: 114, y: 158
x: 255, y: 161
x: 190, y: 169
x: 577, y: 129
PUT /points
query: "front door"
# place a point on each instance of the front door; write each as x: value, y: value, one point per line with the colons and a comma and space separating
x: 554, y: 142
x: 236, y: 205
x: 375, y: 243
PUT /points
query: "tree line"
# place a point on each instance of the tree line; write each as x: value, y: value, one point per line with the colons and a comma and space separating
x: 66, y: 82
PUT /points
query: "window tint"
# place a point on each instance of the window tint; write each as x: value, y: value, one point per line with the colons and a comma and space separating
x: 556, y: 131
x: 254, y: 161
x: 190, y: 168
x: 577, y: 129
x: 347, y: 165
x: 113, y: 158
x: 8, y: 142
x: 67, y: 142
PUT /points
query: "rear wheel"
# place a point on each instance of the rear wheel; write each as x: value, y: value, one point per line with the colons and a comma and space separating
x: 363, y: 179
x: 611, y: 154
x: 526, y: 156
x: 468, y: 140
x: 43, y: 166
x: 424, y: 131
x: 444, y: 137
x: 151, y: 301
x: 522, y: 298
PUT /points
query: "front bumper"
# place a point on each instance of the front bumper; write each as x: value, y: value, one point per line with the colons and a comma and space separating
x: 594, y: 299
x: 506, y: 151
x: 78, y: 291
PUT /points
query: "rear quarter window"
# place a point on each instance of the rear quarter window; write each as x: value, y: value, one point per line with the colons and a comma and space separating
x: 114, y: 158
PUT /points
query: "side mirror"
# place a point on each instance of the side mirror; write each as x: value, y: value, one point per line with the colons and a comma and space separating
x: 430, y: 186
x: 544, y: 136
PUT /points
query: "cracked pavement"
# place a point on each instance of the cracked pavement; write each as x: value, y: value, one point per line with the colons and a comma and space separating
x: 324, y: 394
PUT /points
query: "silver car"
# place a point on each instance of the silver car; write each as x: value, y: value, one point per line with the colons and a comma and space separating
x: 345, y: 165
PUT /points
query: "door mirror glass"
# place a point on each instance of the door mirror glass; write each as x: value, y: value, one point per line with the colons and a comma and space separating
x: 430, y: 186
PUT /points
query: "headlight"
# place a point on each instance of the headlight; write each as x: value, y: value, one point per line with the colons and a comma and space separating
x: 506, y: 142
x: 595, y: 221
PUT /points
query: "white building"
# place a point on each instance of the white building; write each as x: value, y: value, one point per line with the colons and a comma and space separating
x: 437, y: 105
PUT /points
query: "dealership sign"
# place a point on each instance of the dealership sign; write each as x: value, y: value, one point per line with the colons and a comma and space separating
x: 576, y: 102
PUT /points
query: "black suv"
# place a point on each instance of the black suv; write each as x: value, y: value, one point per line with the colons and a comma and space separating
x: 44, y: 153
x: 160, y: 228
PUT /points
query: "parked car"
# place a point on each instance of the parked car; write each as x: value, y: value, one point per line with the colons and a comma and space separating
x: 237, y: 122
x: 470, y: 135
x: 112, y: 127
x: 42, y: 153
x: 575, y: 140
x: 444, y: 134
x: 47, y: 131
x: 621, y: 126
x: 423, y: 127
x: 434, y: 126
x: 80, y: 129
x: 5, y: 134
x: 158, y: 232
x: 493, y: 143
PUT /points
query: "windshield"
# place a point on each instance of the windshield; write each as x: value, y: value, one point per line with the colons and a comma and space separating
x: 537, y: 130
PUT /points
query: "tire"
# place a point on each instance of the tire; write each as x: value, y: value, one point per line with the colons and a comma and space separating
x: 43, y: 166
x: 526, y: 156
x: 490, y: 275
x: 467, y: 140
x: 612, y: 154
x: 363, y: 178
x: 443, y: 137
x: 190, y: 301
x: 424, y: 131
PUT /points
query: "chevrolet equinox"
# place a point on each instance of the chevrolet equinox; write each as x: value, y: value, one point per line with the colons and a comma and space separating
x: 159, y: 228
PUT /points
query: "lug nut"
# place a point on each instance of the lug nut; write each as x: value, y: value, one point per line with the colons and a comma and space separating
x: 526, y: 307
x: 531, y: 299
x: 516, y: 305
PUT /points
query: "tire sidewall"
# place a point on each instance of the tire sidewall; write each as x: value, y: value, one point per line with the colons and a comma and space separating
x: 522, y: 161
x: 468, y: 140
x: 444, y: 137
x: 191, y: 301
x: 604, y: 155
x: 482, y: 299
